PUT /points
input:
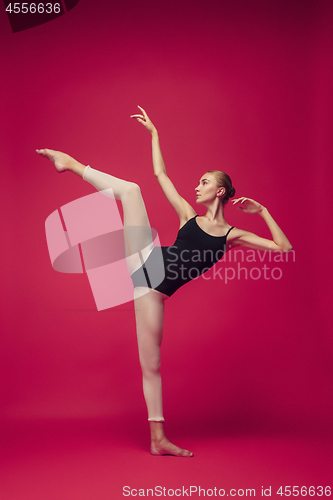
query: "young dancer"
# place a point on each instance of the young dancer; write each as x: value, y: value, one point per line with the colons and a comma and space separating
x: 204, y: 238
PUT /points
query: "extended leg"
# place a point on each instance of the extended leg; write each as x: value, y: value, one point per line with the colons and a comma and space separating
x: 62, y: 161
x: 127, y: 192
x: 149, y: 310
x: 137, y: 232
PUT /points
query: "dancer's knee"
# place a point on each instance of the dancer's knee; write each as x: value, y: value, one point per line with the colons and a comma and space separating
x: 131, y: 189
x: 151, y: 367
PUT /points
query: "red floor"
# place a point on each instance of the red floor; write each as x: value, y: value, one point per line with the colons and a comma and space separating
x: 95, y: 460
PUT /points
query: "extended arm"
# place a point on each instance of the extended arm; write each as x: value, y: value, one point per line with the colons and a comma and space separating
x: 182, y: 207
x: 251, y: 240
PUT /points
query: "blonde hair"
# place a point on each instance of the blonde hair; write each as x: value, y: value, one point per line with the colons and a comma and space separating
x: 223, y: 180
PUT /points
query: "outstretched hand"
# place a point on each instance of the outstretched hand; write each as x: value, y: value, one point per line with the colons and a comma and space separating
x: 247, y: 205
x: 145, y: 120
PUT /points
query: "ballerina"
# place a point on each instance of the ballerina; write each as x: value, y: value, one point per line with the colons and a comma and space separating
x: 198, y: 235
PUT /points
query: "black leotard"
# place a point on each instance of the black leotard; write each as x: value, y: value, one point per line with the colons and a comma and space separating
x: 192, y: 254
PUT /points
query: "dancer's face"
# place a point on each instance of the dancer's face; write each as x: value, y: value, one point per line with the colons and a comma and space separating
x: 207, y: 189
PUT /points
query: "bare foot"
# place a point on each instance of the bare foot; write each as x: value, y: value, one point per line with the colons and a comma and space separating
x: 164, y: 447
x: 62, y: 161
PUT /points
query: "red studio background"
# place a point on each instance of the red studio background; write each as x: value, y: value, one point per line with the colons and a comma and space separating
x: 242, y: 86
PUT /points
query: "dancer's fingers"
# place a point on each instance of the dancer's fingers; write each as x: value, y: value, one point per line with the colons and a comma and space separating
x: 144, y: 113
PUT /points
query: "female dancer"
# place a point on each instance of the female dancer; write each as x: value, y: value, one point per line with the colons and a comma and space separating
x: 200, y: 235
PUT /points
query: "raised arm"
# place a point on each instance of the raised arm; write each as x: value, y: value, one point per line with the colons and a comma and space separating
x: 182, y: 207
x: 251, y: 240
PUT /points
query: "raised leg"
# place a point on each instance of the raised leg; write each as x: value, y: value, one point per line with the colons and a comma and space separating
x: 62, y: 161
x: 137, y: 232
x: 149, y: 310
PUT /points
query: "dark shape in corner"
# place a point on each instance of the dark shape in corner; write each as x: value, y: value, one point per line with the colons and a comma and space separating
x: 37, y: 12
x: 70, y: 4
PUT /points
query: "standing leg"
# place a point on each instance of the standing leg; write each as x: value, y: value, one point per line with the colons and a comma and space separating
x: 149, y: 310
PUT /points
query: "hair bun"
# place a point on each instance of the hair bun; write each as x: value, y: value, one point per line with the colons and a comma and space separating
x: 232, y: 192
